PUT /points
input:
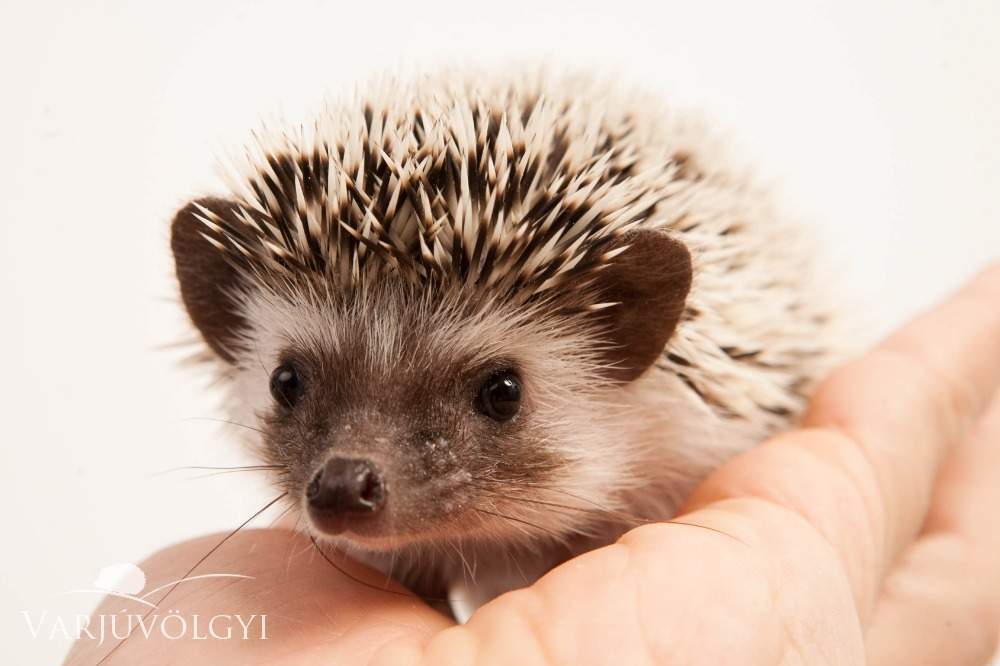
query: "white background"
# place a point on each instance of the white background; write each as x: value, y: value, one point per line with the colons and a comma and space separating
x: 879, y: 123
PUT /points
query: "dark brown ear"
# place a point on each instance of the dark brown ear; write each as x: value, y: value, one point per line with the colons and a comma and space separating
x: 207, y: 279
x: 649, y: 283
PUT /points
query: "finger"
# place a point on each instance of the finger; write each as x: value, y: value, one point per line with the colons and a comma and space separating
x: 942, y: 603
x: 756, y: 583
x: 906, y: 402
x: 862, y: 477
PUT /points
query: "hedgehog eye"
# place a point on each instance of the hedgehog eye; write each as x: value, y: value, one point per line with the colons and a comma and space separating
x: 286, y: 385
x: 500, y: 396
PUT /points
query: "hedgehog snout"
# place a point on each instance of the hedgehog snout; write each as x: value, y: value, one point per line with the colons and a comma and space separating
x: 344, y: 493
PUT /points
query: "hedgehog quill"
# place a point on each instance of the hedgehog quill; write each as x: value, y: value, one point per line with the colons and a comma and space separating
x: 483, y: 324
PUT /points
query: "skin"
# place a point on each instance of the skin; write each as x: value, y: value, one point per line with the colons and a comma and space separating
x: 868, y: 536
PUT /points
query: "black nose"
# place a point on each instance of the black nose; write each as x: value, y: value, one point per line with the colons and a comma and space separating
x: 344, y: 485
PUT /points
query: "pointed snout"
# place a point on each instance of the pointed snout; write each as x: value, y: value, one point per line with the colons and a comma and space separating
x: 345, y: 491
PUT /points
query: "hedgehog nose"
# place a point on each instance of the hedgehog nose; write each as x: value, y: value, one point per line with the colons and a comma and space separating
x: 346, y: 486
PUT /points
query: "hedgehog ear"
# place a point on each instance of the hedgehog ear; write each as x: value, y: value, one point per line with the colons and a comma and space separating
x: 648, y: 283
x: 208, y: 281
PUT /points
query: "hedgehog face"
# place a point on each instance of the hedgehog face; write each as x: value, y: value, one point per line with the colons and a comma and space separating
x: 400, y: 412
x: 395, y: 451
x: 397, y: 416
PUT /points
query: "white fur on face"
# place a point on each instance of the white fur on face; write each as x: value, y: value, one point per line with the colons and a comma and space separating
x: 615, y: 443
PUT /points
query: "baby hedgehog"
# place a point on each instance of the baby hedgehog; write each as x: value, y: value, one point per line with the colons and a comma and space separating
x: 482, y: 324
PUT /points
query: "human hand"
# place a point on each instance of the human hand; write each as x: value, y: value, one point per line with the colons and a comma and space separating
x: 871, y: 535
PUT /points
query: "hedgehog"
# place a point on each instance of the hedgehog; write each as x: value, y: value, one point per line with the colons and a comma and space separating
x: 481, y: 323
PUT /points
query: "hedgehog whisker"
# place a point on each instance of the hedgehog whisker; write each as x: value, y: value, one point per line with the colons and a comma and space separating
x: 281, y: 515
x: 221, y: 468
x: 225, y: 421
x: 631, y: 521
x: 466, y: 570
x: 215, y: 471
x: 597, y: 508
x: 225, y: 472
x: 564, y: 509
x: 192, y: 569
x: 514, y: 519
x: 391, y: 567
x: 359, y: 581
